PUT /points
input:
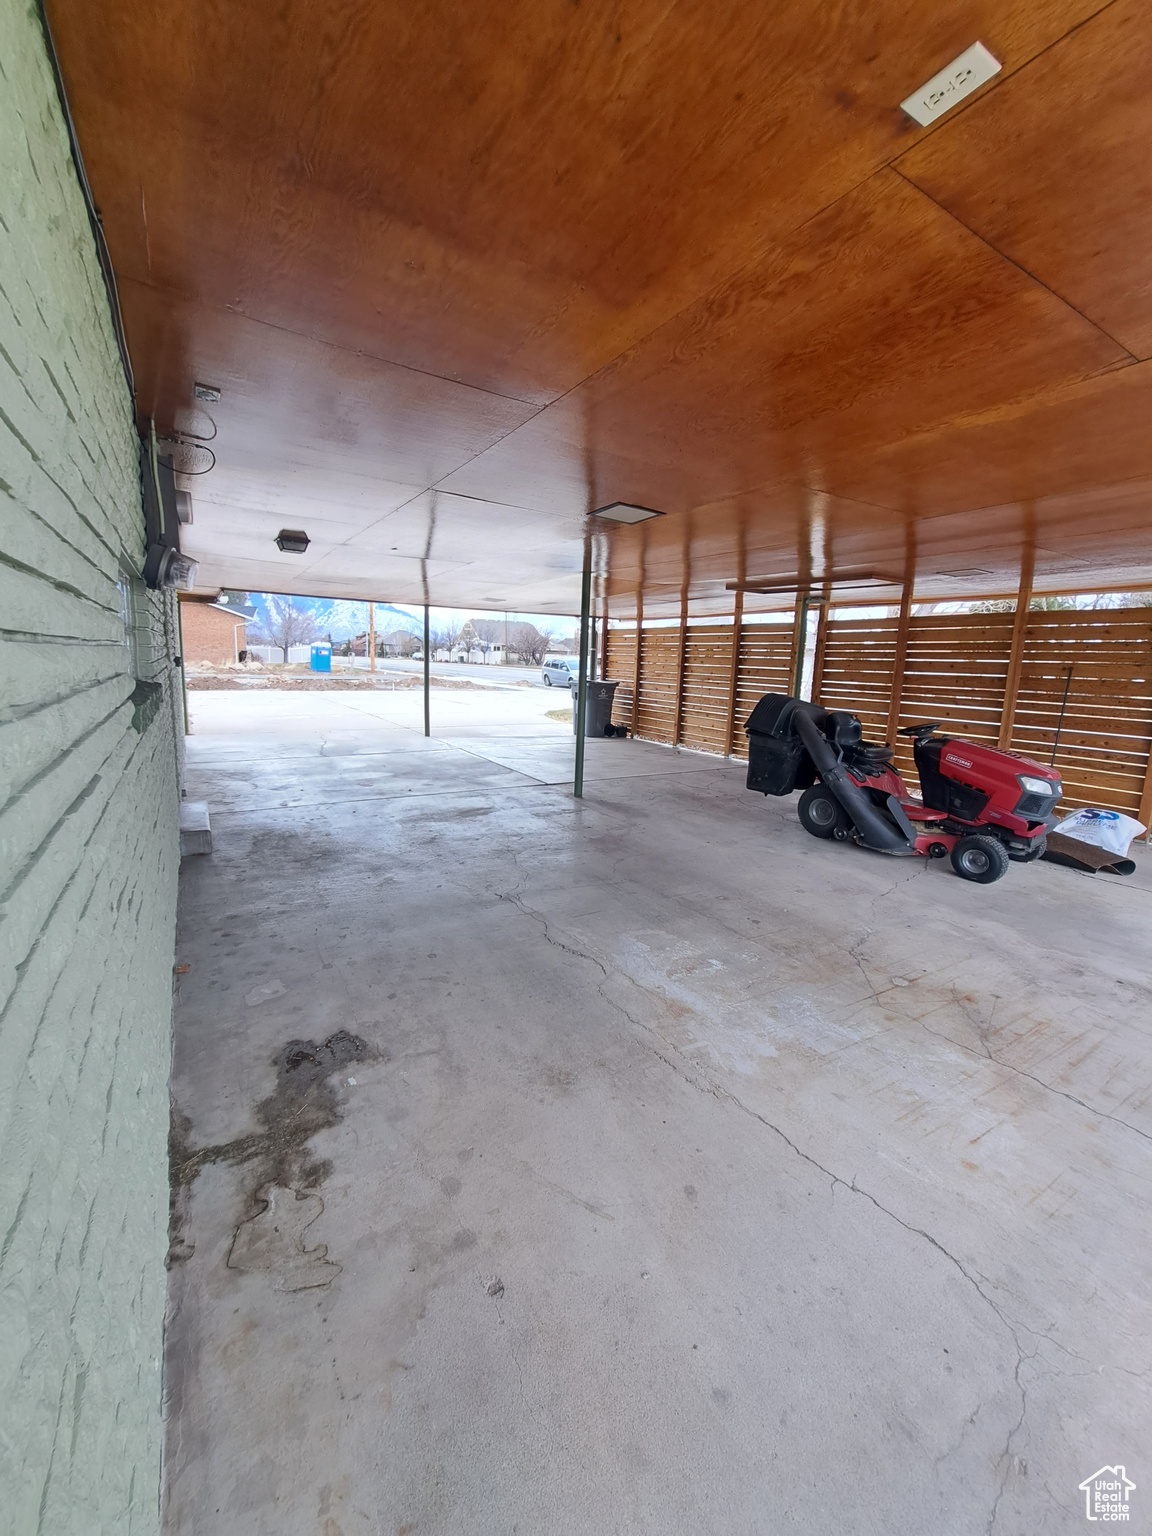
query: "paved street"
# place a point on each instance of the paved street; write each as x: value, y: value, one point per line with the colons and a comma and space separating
x: 496, y: 677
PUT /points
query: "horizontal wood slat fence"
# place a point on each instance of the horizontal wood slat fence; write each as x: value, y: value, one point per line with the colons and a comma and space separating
x: 955, y: 670
x: 1095, y: 665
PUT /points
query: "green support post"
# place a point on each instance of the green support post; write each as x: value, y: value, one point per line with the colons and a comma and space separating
x: 582, y: 686
x: 801, y: 646
x: 427, y: 674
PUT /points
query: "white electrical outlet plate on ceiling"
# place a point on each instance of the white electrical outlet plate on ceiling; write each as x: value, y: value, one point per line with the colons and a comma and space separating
x: 955, y: 81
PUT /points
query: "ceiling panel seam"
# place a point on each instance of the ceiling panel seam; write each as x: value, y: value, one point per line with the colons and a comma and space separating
x: 537, y: 409
x: 1031, y: 276
x: 1063, y: 390
x: 892, y: 163
x: 336, y: 346
x: 888, y: 164
x: 434, y: 488
x: 954, y: 115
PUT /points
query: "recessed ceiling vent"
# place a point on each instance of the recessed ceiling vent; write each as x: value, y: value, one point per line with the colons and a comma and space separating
x: 624, y: 512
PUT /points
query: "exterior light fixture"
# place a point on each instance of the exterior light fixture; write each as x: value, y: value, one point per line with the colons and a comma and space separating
x: 164, y: 565
x: 167, y: 567
x: 625, y: 512
x: 292, y: 541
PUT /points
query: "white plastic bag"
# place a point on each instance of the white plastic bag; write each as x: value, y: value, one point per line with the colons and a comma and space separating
x: 1109, y: 830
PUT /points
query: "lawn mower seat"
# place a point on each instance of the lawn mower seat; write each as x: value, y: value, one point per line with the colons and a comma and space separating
x: 846, y: 732
x: 871, y: 752
x: 843, y: 729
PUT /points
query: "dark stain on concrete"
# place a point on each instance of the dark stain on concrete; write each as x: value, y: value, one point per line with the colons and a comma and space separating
x: 561, y: 1080
x: 303, y: 1102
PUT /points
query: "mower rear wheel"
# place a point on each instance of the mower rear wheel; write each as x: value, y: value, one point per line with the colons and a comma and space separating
x: 982, y: 859
x: 821, y: 813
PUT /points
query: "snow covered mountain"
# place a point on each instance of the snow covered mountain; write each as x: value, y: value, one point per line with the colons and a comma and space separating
x: 343, y: 619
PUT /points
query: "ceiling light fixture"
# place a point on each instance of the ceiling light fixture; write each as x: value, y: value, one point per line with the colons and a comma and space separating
x: 949, y: 87
x: 207, y: 392
x: 768, y: 585
x: 292, y: 541
x: 625, y: 512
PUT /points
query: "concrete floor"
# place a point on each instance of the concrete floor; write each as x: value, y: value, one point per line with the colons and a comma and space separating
x: 677, y: 1173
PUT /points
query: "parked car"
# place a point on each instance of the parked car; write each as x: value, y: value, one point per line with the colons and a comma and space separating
x: 560, y: 671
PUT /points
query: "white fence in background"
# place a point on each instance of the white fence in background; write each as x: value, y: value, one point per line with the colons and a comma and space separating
x: 271, y: 654
x: 301, y: 655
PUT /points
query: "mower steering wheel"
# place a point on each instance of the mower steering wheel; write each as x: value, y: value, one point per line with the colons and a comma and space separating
x: 920, y: 732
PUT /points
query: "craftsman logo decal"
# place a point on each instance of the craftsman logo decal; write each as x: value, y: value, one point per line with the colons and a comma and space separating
x: 961, y: 762
x: 1106, y: 1494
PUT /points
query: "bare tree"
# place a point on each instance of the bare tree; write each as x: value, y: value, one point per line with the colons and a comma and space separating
x: 286, y: 625
x: 445, y: 636
x: 528, y: 644
x: 1037, y: 605
x: 1121, y: 600
x: 520, y: 640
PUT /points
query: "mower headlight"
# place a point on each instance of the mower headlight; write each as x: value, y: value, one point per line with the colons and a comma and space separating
x: 1036, y: 786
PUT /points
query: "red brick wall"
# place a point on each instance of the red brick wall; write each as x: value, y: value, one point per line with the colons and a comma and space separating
x: 210, y: 634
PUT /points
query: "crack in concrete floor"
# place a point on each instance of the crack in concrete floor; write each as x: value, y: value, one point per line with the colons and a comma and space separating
x: 719, y: 1093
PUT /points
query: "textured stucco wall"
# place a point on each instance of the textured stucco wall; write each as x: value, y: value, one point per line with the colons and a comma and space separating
x: 88, y: 865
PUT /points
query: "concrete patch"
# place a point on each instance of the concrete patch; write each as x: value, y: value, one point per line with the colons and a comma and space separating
x: 304, y: 1102
x: 272, y: 1241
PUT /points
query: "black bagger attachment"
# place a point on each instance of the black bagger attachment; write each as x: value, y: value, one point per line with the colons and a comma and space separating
x: 777, y: 761
x: 792, y: 743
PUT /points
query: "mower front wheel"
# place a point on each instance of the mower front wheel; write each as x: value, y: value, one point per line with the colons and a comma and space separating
x: 821, y: 813
x: 982, y: 859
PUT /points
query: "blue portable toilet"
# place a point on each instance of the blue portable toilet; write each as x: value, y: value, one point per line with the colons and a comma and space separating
x: 322, y: 657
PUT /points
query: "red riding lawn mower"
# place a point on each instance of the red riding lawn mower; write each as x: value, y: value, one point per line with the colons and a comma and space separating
x: 982, y: 806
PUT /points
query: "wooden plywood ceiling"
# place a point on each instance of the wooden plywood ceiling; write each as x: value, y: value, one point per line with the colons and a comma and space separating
x: 462, y: 272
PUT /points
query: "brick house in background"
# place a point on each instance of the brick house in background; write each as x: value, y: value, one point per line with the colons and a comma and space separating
x: 211, y: 632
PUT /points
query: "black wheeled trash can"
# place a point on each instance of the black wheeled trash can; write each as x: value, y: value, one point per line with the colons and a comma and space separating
x: 597, y: 710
